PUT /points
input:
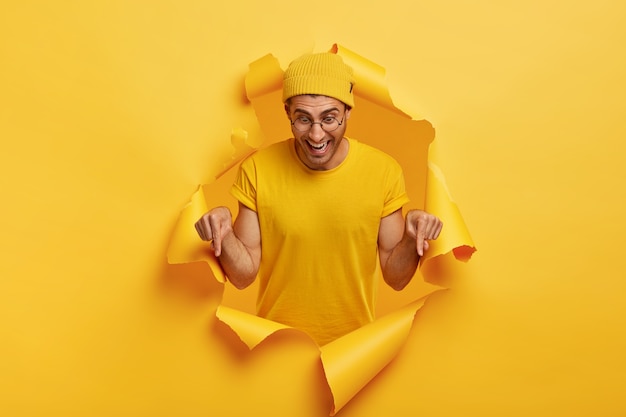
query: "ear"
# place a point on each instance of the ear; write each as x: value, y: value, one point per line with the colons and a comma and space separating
x: 347, y: 112
x: 287, y: 111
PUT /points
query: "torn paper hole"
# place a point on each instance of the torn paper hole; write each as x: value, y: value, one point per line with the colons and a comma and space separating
x: 351, y: 361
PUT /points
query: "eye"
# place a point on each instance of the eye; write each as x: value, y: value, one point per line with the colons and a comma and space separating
x: 328, y: 120
x: 304, y: 119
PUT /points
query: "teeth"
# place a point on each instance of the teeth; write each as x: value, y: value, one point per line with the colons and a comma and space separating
x: 318, y: 147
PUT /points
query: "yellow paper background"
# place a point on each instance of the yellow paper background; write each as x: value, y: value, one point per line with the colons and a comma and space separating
x: 111, y: 113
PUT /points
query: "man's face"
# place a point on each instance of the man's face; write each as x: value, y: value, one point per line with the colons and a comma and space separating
x: 317, y: 148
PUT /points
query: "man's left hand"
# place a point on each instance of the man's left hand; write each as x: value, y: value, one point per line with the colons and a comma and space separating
x: 422, y: 227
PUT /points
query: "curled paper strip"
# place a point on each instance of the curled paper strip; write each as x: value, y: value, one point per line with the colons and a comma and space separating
x: 351, y: 361
x: 251, y: 329
x: 438, y: 201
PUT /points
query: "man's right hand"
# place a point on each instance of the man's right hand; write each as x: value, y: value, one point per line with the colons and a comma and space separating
x: 214, y: 226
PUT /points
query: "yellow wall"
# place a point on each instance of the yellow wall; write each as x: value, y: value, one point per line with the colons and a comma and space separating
x: 111, y: 113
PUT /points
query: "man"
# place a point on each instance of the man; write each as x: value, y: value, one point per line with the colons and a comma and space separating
x: 318, y: 212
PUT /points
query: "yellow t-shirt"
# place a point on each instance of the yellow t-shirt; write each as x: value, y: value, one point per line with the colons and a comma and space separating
x: 319, y: 234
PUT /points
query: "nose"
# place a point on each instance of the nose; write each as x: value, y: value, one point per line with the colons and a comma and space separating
x: 317, y: 133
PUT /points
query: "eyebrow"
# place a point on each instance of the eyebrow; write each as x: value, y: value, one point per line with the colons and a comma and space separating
x: 333, y: 109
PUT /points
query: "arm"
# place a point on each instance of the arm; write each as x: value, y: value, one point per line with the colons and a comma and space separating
x: 237, y: 246
x: 401, y: 244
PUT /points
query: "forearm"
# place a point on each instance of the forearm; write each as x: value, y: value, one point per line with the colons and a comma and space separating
x: 238, y: 262
x: 399, y: 267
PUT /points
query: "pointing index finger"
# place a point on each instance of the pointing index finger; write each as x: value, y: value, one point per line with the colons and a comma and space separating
x: 420, y: 243
x: 216, y: 236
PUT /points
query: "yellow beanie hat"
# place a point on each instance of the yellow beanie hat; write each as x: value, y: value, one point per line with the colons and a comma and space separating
x: 323, y: 74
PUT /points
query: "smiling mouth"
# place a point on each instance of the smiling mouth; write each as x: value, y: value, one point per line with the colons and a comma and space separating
x: 318, y: 148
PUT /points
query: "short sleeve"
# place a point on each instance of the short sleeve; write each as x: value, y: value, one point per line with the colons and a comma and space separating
x: 244, y: 187
x: 395, y: 196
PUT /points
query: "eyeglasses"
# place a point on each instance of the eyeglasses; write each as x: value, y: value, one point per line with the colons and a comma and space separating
x: 304, y: 123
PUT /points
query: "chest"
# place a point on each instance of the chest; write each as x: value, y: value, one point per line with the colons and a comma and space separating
x: 309, y: 205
